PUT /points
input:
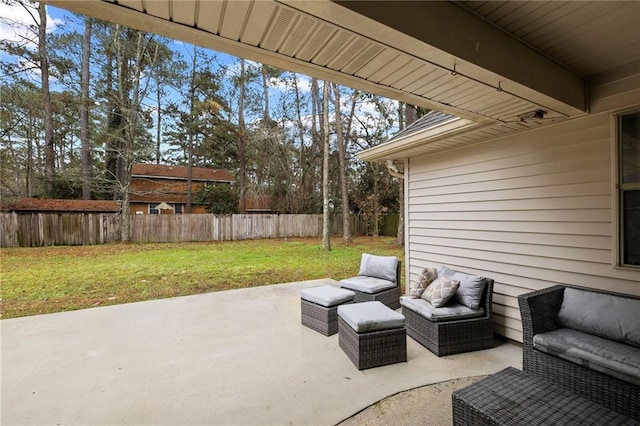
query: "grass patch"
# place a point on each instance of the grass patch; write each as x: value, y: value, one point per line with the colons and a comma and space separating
x: 54, y: 279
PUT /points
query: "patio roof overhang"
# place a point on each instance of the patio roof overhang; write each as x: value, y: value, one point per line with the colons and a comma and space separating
x: 487, y: 62
x: 419, y: 142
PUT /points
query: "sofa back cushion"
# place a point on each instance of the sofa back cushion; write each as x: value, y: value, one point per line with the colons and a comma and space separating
x: 383, y: 267
x: 471, y: 287
x: 606, y: 315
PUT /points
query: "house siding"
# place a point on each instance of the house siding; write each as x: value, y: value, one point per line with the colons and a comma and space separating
x: 530, y: 211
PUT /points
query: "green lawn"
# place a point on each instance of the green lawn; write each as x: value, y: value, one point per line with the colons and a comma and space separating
x: 53, y: 279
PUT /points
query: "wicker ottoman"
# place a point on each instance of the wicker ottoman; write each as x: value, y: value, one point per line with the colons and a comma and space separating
x: 512, y: 397
x: 371, y: 334
x: 319, y: 306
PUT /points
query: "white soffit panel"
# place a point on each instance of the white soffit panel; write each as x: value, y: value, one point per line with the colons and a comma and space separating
x: 184, y: 12
x: 447, y: 36
x: 131, y: 4
x: 209, y: 15
x: 157, y: 8
x: 234, y: 19
x: 257, y: 22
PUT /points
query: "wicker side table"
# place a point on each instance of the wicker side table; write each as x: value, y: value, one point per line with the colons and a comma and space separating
x: 319, y: 307
x: 371, y: 334
x: 512, y: 397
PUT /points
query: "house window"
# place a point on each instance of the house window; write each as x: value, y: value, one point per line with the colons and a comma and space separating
x: 629, y: 188
x: 177, y: 208
x: 153, y: 210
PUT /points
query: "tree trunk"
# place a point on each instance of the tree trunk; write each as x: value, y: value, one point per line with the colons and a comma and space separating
x: 29, y: 168
x: 302, y: 178
x: 242, y: 161
x: 310, y: 189
x: 376, y: 204
x: 190, y: 130
x: 50, y: 162
x: 132, y: 125
x: 158, y: 121
x: 265, y: 92
x: 84, y: 112
x: 326, y: 225
x: 344, y: 185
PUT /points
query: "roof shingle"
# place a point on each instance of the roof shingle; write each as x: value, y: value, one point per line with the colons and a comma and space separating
x: 55, y: 205
x: 431, y: 119
x: 180, y: 172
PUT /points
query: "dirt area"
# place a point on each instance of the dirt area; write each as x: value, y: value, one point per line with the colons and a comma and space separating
x: 427, y: 405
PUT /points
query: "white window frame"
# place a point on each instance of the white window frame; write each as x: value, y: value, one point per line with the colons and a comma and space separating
x: 618, y: 190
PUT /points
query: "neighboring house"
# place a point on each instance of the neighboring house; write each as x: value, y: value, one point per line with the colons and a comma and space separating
x: 48, y: 205
x: 257, y: 203
x: 163, y: 189
x: 530, y: 179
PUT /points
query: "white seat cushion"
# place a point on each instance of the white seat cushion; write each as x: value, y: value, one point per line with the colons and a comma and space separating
x: 327, y: 295
x: 367, y: 284
x: 370, y: 316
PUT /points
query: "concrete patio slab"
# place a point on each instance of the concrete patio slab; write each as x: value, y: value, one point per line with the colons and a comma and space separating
x: 237, y: 357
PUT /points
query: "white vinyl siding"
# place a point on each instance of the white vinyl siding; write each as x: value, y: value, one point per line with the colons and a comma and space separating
x: 530, y: 211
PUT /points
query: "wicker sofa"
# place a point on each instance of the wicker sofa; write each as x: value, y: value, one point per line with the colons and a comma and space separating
x: 453, y: 328
x: 587, y: 341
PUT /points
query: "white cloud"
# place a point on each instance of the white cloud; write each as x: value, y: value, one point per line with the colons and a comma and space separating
x: 284, y: 83
x: 16, y: 21
x: 233, y: 70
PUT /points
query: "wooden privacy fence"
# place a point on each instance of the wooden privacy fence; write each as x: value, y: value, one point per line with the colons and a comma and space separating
x: 58, y: 229
x: 208, y: 227
x: 47, y: 229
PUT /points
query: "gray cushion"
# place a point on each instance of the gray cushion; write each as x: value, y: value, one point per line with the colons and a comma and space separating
x: 449, y: 312
x: 383, y: 267
x: 597, y: 353
x: 427, y: 276
x: 605, y: 315
x: 366, y: 284
x: 471, y: 286
x: 370, y: 316
x: 444, y: 271
x: 327, y: 295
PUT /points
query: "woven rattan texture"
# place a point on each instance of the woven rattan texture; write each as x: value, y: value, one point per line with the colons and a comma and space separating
x: 372, y: 349
x: 319, y: 318
x: 539, y: 310
x: 456, y: 336
x: 512, y: 397
x: 390, y: 297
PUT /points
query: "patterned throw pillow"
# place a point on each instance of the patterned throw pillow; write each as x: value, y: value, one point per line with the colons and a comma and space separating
x: 426, y: 277
x: 440, y: 291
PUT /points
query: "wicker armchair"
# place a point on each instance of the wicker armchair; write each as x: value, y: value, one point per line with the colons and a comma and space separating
x: 379, y: 283
x: 454, y: 336
x: 539, y: 310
